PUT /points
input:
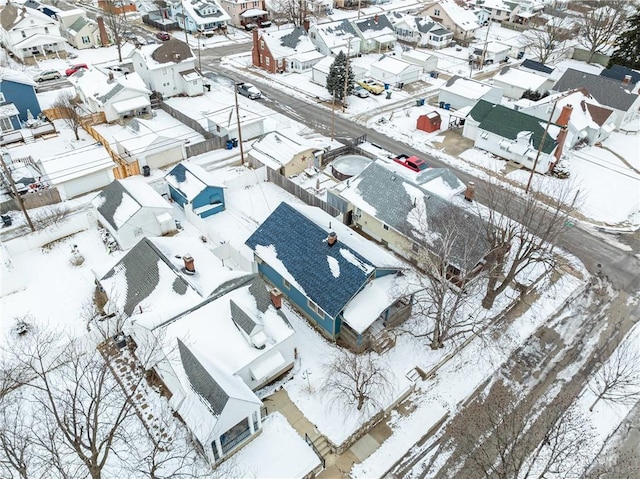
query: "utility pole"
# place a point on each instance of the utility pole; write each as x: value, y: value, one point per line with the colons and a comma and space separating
x: 333, y: 115
x: 486, y: 40
x: 14, y: 190
x: 544, y: 136
x: 184, y: 20
x: 359, y: 1
x: 346, y: 76
x: 235, y: 89
x: 199, y: 56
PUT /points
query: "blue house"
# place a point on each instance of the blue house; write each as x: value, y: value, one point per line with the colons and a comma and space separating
x: 195, y: 190
x: 348, y: 287
x: 17, y: 99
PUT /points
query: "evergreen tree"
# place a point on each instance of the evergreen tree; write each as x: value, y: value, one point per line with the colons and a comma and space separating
x: 627, y: 45
x: 339, y: 73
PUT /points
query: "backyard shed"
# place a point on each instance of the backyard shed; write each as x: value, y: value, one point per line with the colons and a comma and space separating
x: 429, y: 122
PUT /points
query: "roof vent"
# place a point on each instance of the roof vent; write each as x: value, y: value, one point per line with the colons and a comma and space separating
x: 332, y: 238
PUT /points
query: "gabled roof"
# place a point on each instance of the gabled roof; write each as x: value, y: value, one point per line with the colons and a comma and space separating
x: 276, y: 149
x: 79, y: 24
x: 97, y: 84
x: 336, y: 33
x: 204, y: 11
x: 374, y: 26
x: 394, y: 65
x: 618, y: 72
x: 464, y: 19
x: 606, y: 91
x: 12, y: 15
x: 407, y: 205
x: 190, y: 179
x: 16, y: 76
x: 466, y: 87
x: 297, y: 248
x: 520, y: 78
x: 287, y: 42
x: 537, y: 66
x: 242, y: 319
x: 508, y: 123
x: 121, y: 199
x: 171, y: 51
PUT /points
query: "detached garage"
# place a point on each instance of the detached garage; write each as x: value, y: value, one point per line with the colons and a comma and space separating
x: 394, y: 71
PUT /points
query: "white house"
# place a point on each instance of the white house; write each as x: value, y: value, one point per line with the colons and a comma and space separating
x: 515, y: 82
x: 28, y: 33
x: 224, y: 122
x: 78, y: 30
x: 461, y: 92
x: 420, y: 31
x: 376, y: 34
x: 462, y: 22
x: 203, y: 16
x: 493, y: 52
x: 168, y: 68
x: 118, y: 96
x: 332, y: 37
x: 394, y: 71
x: 515, y: 136
x: 427, y: 62
x: 130, y: 209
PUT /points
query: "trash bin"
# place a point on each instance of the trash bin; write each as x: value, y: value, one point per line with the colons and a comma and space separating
x: 6, y: 220
x: 386, y: 86
x: 229, y: 144
x: 441, y: 104
x: 420, y: 102
x: 146, y: 171
x: 235, y: 142
x: 447, y: 106
x: 389, y: 95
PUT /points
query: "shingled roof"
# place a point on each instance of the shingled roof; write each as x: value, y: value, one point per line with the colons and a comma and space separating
x: 328, y: 275
x: 508, y: 123
x: 172, y: 50
x: 606, y: 91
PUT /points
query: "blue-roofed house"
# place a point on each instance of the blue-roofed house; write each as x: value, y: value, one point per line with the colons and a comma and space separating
x: 18, y: 99
x: 195, y: 190
x: 348, y: 287
x: 621, y: 73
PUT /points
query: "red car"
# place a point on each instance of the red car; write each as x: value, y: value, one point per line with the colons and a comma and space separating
x: 412, y: 162
x: 163, y: 36
x: 71, y: 70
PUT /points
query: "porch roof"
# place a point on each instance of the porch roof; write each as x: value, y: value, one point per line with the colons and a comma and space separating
x: 131, y: 104
x: 253, y: 12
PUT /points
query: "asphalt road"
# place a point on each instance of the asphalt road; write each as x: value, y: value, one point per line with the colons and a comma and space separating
x: 598, y: 251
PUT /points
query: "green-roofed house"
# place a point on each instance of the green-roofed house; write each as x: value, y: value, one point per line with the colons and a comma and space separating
x: 78, y: 30
x: 515, y: 136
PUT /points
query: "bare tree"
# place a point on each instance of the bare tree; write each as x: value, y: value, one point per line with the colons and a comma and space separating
x: 67, y: 106
x: 618, y: 380
x: 289, y: 11
x: 547, y: 37
x: 51, y: 215
x: 521, y: 232
x: 449, y: 251
x: 357, y: 379
x: 600, y: 23
x: 116, y: 23
x: 17, y: 456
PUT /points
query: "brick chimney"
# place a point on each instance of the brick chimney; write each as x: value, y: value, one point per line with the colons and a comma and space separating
x: 626, y: 80
x: 305, y: 24
x: 332, y: 239
x: 565, y: 114
x: 276, y: 298
x: 562, y: 136
x: 110, y: 80
x: 189, y: 265
x: 470, y: 192
x: 255, y: 51
x: 375, y: 19
x: 104, y: 36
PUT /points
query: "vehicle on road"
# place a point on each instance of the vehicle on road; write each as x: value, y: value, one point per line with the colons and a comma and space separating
x: 72, y: 55
x: 412, y: 162
x: 250, y: 26
x: 372, y: 86
x: 360, y: 92
x: 47, y: 75
x: 164, y: 36
x: 72, y: 69
x: 248, y: 90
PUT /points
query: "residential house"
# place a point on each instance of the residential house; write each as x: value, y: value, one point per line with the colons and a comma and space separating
x: 535, y: 67
x: 463, y: 23
x: 18, y: 100
x: 428, y: 63
x: 117, y: 96
x: 130, y: 209
x: 49, y: 10
x: 620, y: 73
x: 287, y: 49
x: 327, y: 272
x: 243, y: 12
x: 151, y: 143
x: 199, y: 16
x: 490, y: 52
x: 621, y: 96
x: 421, y: 32
x: 118, y: 7
x: 376, y: 34
x: 168, y: 68
x: 320, y: 8
x: 412, y: 213
x: 515, y: 136
x: 515, y: 82
x: 286, y: 152
x: 195, y: 191
x: 394, y: 71
x: 482, y: 14
x: 460, y: 92
x: 27, y: 33
x: 524, y: 10
x: 79, y: 31
x: 499, y: 10
x: 333, y: 37
x: 223, y: 123
x: 588, y: 121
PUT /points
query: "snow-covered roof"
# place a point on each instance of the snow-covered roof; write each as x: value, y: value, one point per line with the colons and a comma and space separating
x: 95, y: 83
x: 71, y: 165
x: 15, y: 76
x: 335, y: 34
x: 377, y: 27
x: 166, y: 54
x: 520, y: 78
x: 39, y: 39
x: 204, y: 12
x: 464, y: 19
x: 394, y: 65
x: 311, y: 55
x: 276, y: 149
x: 287, y: 42
x: 491, y: 47
x: 191, y: 179
x: 466, y: 88
x: 12, y: 16
x: 69, y: 13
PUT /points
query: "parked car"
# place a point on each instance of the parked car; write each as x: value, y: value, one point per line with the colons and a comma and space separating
x: 360, y: 92
x: 164, y: 36
x: 412, y: 162
x: 72, y: 69
x: 372, y: 86
x: 47, y: 75
x: 248, y: 90
x: 72, y: 55
x: 250, y: 26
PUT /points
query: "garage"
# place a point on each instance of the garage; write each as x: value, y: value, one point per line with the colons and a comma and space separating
x: 396, y: 72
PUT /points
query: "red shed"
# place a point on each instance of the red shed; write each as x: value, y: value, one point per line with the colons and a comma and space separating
x: 429, y: 122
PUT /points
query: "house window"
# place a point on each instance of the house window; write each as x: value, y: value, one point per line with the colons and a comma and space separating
x: 286, y: 284
x: 261, y: 44
x: 259, y: 260
x: 386, y: 227
x: 484, y: 135
x: 267, y: 61
x: 5, y: 124
x: 86, y: 40
x: 24, y: 35
x: 315, y: 308
x: 46, y: 29
x: 436, y: 12
x: 415, y: 247
x: 164, y: 71
x: 2, y: 100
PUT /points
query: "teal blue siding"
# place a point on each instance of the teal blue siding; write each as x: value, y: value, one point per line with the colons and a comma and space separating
x: 22, y: 96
